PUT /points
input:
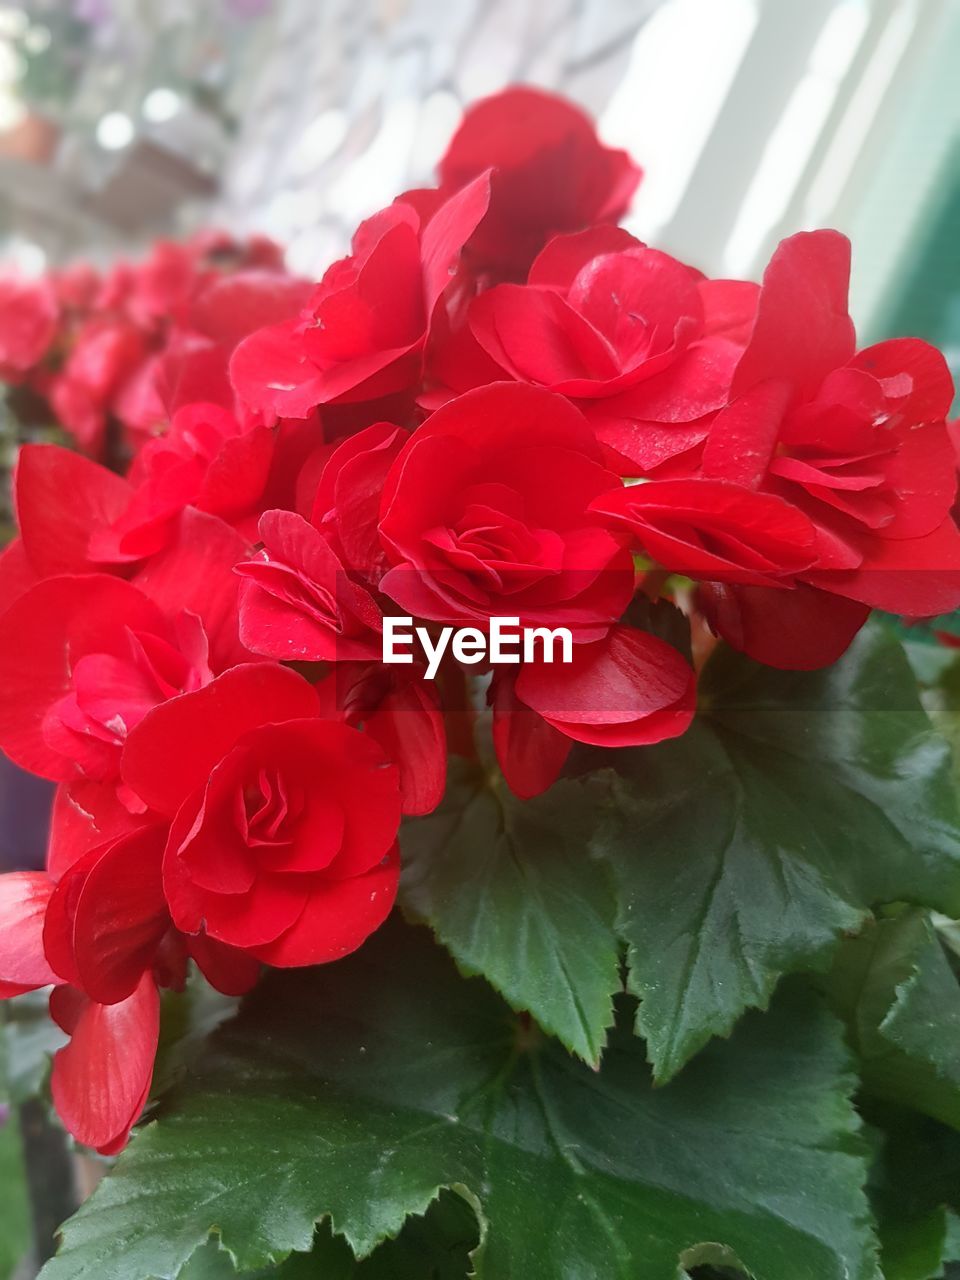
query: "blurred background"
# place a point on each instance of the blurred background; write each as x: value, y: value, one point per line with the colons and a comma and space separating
x: 124, y: 119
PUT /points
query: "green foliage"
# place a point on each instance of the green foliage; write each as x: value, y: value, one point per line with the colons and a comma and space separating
x: 344, y: 1093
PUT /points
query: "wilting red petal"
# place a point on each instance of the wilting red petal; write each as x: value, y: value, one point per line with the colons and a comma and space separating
x: 101, y: 1079
x: 24, y: 897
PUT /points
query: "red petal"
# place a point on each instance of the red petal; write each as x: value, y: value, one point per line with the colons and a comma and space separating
x: 62, y: 499
x: 338, y: 917
x: 629, y: 689
x: 16, y: 574
x: 196, y: 574
x: 916, y: 577
x: 101, y: 1079
x: 228, y: 970
x: 798, y: 630
x: 85, y: 816
x: 121, y: 916
x: 803, y: 329
x: 530, y: 751
x: 171, y: 752
x: 24, y: 897
x: 271, y: 374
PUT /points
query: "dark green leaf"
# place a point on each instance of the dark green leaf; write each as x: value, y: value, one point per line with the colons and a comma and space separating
x: 511, y: 890
x: 900, y: 997
x: 434, y: 1246
x: 747, y: 847
x: 914, y: 1180
x: 357, y: 1090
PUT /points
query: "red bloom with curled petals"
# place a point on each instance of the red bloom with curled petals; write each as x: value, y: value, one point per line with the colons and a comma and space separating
x: 621, y: 329
x: 283, y: 825
x: 551, y: 175
x: 297, y: 603
x: 363, y: 333
x: 100, y: 655
x: 485, y: 513
x: 208, y: 460
x: 857, y: 442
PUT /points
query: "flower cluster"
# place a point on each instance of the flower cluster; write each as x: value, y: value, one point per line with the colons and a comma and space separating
x: 500, y: 404
x: 104, y: 354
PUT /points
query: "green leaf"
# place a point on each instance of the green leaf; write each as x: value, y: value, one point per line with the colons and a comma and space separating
x: 31, y: 1038
x: 746, y: 848
x: 434, y: 1246
x: 14, y: 1205
x: 14, y: 1201
x: 359, y: 1089
x: 900, y: 997
x: 913, y: 1181
x: 512, y: 892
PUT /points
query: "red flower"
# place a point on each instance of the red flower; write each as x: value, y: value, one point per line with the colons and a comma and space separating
x: 28, y: 324
x: 206, y: 460
x: 297, y: 603
x: 86, y: 658
x: 621, y: 329
x: 857, y: 443
x: 284, y: 825
x: 484, y: 513
x: 401, y: 711
x: 363, y: 332
x: 551, y: 175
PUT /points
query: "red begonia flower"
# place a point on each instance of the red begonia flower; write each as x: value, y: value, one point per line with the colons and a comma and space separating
x: 85, y: 658
x: 551, y: 175
x: 28, y: 323
x: 856, y: 442
x: 484, y: 513
x: 297, y: 603
x: 208, y: 460
x: 363, y: 332
x: 283, y: 825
